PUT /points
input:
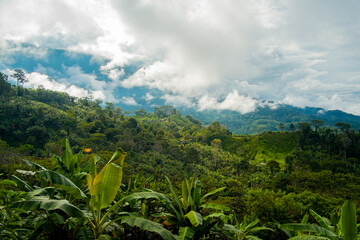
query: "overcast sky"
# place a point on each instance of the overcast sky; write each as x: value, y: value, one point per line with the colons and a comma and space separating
x: 229, y: 54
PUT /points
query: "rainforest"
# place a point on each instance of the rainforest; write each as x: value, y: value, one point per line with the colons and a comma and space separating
x: 77, y: 168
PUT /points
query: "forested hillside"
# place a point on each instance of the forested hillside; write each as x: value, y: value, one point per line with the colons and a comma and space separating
x: 268, y: 119
x: 95, y: 171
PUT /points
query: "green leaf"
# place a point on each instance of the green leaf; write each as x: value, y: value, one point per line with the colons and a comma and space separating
x: 307, y: 228
x: 67, y: 155
x: 186, y: 193
x: 308, y: 237
x: 322, y: 221
x: 8, y: 182
x: 147, y: 225
x: 219, y: 215
x: 186, y: 233
x: 305, y: 218
x: 107, y: 183
x: 146, y: 195
x: 232, y: 229
x: 348, y: 220
x: 22, y: 184
x: 215, y: 206
x: 48, y: 205
x: 257, y: 229
x: 24, y: 172
x: 137, y: 180
x: 180, y: 206
x: 195, y: 218
x: 62, y: 182
x: 212, y: 193
x: 34, y: 165
x: 106, y: 237
x: 197, y: 195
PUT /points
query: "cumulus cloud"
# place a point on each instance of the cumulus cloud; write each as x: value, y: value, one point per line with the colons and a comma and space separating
x: 37, y: 79
x: 233, y: 101
x: 178, y: 101
x: 148, y: 97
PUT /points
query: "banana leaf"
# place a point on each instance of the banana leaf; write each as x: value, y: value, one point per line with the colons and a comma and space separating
x: 147, y: 225
x: 62, y: 182
x: 215, y: 206
x: 309, y: 237
x: 22, y: 184
x: 195, y: 218
x: 348, y: 220
x: 186, y: 233
x: 307, y: 228
x: 49, y: 205
x: 104, y: 187
x: 212, y: 193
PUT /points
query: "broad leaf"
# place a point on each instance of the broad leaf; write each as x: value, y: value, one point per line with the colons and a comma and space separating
x: 48, y: 205
x: 180, y: 206
x: 186, y: 193
x: 309, y: 237
x: 218, y: 215
x: 22, y: 184
x: 186, y: 233
x: 197, y: 195
x: 67, y: 155
x: 147, y: 225
x: 232, y: 229
x: 215, y: 206
x: 62, y: 182
x: 212, y: 193
x: 307, y: 228
x: 195, y: 218
x: 34, y: 165
x: 348, y: 220
x: 107, y: 183
x: 8, y: 182
x: 24, y: 172
x: 146, y: 195
x: 322, y: 221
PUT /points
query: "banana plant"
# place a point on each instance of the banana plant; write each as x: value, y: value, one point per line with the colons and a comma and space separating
x: 187, y: 210
x: 244, y: 230
x: 345, y: 228
x: 68, y: 164
x: 103, y: 188
x: 52, y: 199
x: 11, y: 221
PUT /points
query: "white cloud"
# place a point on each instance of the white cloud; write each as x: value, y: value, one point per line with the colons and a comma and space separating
x: 77, y: 76
x: 37, y: 79
x: 114, y: 74
x: 178, y: 100
x: 129, y: 101
x: 233, y: 101
x: 148, y: 97
x: 297, y: 52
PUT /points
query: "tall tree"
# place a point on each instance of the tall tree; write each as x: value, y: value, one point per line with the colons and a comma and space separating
x: 20, y: 77
x: 317, y: 123
x: 281, y: 126
x: 5, y: 86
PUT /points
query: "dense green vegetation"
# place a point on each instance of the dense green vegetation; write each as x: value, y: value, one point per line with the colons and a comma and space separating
x: 180, y: 179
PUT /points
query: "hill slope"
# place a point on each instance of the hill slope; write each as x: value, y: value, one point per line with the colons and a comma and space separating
x: 267, y: 119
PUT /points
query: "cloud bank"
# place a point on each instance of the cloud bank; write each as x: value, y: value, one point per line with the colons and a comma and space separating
x: 230, y: 54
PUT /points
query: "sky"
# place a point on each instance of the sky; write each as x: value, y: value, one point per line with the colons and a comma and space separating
x: 229, y: 55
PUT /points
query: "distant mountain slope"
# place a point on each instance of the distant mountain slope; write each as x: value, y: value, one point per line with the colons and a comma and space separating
x: 267, y: 119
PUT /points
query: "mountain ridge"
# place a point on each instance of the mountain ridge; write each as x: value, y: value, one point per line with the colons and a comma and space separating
x: 266, y: 119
